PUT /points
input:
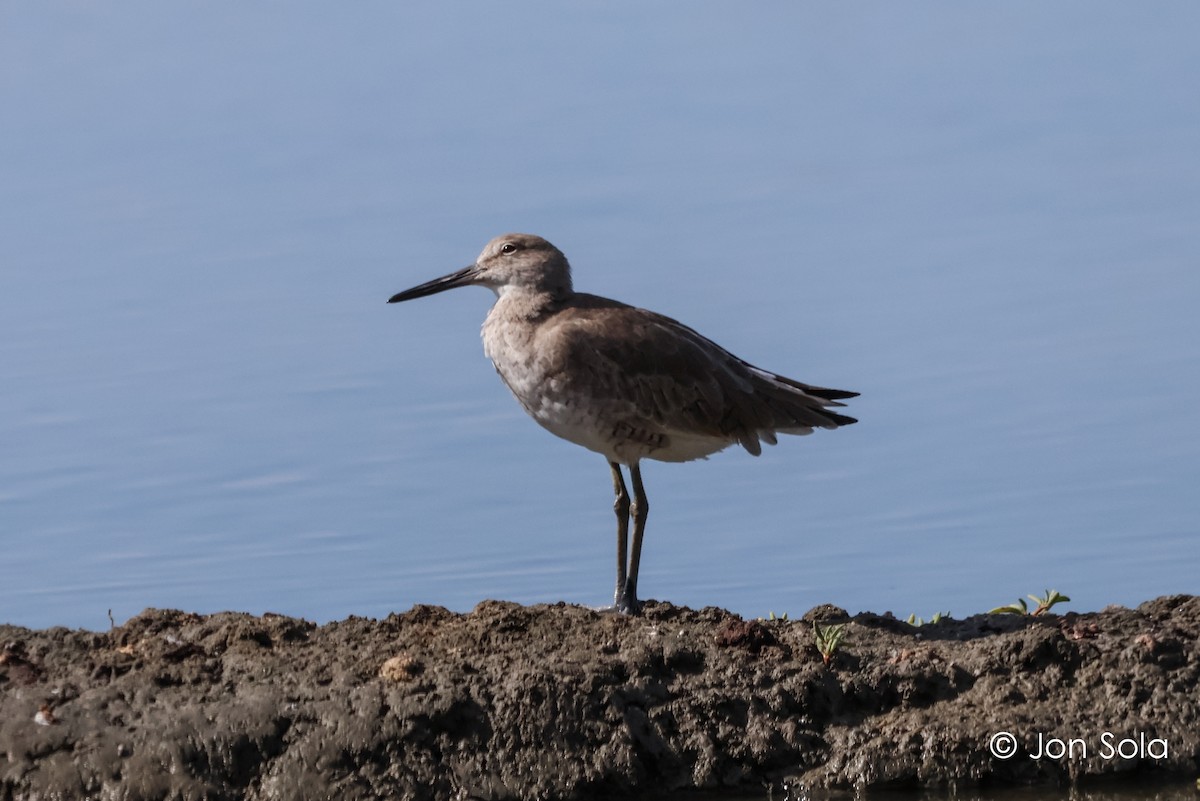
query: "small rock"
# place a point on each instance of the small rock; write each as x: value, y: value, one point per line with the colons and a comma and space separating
x: 45, y: 716
x: 400, y: 668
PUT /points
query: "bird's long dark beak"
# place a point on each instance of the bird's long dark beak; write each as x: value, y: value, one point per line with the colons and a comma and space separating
x: 463, y: 277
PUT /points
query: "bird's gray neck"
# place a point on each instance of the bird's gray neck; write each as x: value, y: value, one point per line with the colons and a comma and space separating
x: 523, y: 303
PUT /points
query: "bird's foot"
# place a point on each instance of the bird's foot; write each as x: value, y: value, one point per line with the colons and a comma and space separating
x: 626, y: 604
x: 619, y: 609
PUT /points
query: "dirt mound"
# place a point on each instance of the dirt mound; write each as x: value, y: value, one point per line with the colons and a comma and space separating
x: 564, y: 702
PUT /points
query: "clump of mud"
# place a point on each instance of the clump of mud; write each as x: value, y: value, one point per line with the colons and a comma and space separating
x: 512, y: 702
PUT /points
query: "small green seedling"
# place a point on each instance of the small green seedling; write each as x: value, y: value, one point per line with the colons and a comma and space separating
x: 1019, y: 608
x: 828, y: 639
x: 773, y: 617
x: 1051, y: 598
x: 1044, y: 603
x: 913, y: 620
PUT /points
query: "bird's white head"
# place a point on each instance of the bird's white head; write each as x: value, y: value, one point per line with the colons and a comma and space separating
x: 520, y: 262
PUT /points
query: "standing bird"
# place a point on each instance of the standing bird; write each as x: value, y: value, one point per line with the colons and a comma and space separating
x: 624, y: 382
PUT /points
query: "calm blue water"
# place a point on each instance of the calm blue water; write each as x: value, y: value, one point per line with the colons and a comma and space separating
x: 984, y: 218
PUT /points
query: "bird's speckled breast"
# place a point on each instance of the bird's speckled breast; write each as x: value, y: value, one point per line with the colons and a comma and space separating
x: 533, y: 370
x: 574, y: 392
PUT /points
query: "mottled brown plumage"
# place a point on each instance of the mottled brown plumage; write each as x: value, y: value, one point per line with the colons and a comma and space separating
x: 622, y: 381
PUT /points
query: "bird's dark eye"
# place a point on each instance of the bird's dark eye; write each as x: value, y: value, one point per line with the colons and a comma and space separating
x: 508, y: 247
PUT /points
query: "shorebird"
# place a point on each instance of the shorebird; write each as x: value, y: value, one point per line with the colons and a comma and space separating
x: 624, y: 382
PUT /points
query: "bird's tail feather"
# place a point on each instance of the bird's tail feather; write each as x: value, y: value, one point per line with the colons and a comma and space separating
x: 784, y: 406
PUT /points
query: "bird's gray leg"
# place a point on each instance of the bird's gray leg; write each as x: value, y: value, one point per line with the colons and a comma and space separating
x: 621, y: 507
x: 640, y: 509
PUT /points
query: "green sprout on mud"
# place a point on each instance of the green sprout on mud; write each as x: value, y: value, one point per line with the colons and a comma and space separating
x: 828, y: 639
x: 775, y: 618
x: 1044, y: 603
x: 913, y: 620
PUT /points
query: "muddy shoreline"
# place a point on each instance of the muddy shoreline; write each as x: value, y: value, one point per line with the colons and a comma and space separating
x: 561, y: 702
